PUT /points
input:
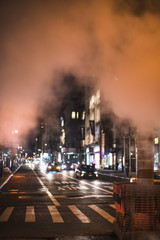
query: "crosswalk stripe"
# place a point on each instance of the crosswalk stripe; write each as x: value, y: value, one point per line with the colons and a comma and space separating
x: 82, y: 217
x: 112, y: 205
x: 6, y: 214
x: 30, y: 214
x: 102, y: 213
x: 56, y: 217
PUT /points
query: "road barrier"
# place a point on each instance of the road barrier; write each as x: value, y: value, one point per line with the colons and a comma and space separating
x: 137, y: 208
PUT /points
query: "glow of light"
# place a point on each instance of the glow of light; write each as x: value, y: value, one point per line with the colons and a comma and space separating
x: 77, y: 115
x: 43, y: 166
x: 73, y: 115
x: 15, y: 131
x: 96, y: 182
x: 45, y: 155
x: 49, y: 176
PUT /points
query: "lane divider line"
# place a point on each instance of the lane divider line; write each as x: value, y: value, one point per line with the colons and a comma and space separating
x: 56, y: 203
x: 82, y: 217
x: 102, y: 213
x: 11, y: 175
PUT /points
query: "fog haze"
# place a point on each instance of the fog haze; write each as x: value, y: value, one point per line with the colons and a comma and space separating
x: 115, y: 44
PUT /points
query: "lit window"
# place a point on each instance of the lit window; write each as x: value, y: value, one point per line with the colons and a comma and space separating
x: 83, y: 115
x: 77, y: 115
x: 156, y: 140
x: 73, y: 116
x: 62, y: 123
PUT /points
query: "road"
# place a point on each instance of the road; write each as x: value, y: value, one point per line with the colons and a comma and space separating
x: 39, y: 205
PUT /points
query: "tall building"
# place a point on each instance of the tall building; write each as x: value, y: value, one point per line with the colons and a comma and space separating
x: 92, y: 127
x: 72, y: 121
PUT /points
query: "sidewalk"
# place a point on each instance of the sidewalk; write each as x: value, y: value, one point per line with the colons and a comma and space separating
x: 114, y: 174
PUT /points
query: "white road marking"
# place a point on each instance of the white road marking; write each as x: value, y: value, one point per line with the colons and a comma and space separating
x: 56, y: 182
x: 68, y: 187
x: 71, y: 182
x: 60, y: 188
x: 6, y: 214
x: 30, y: 214
x: 64, y: 182
x: 102, y: 213
x: 82, y: 217
x: 83, y: 187
x: 11, y: 175
x: 109, y: 187
x: 56, y: 217
x: 76, y: 188
x: 104, y: 190
x: 56, y: 203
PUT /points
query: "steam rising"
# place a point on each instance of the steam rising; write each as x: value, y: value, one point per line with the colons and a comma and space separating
x: 114, y: 43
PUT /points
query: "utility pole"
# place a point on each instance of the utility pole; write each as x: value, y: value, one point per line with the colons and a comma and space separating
x: 129, y: 140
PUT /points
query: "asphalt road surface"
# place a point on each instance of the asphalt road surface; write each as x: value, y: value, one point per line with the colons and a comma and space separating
x: 35, y: 204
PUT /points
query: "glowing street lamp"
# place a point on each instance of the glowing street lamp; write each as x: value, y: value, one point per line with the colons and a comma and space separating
x: 15, y: 131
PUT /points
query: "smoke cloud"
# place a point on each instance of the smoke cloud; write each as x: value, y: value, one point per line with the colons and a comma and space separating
x: 114, y: 43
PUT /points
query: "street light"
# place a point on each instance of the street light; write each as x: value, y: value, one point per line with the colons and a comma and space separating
x: 15, y: 131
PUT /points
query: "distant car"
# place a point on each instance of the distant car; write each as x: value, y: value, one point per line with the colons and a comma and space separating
x: 86, y: 171
x: 53, y: 167
x: 63, y: 166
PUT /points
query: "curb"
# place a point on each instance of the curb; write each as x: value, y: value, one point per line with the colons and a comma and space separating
x: 113, y: 176
x: 5, y: 179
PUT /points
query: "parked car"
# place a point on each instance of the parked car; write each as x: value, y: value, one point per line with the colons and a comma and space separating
x: 86, y: 171
x: 53, y: 167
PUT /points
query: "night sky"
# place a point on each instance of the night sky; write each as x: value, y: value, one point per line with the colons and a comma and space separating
x: 113, y: 43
